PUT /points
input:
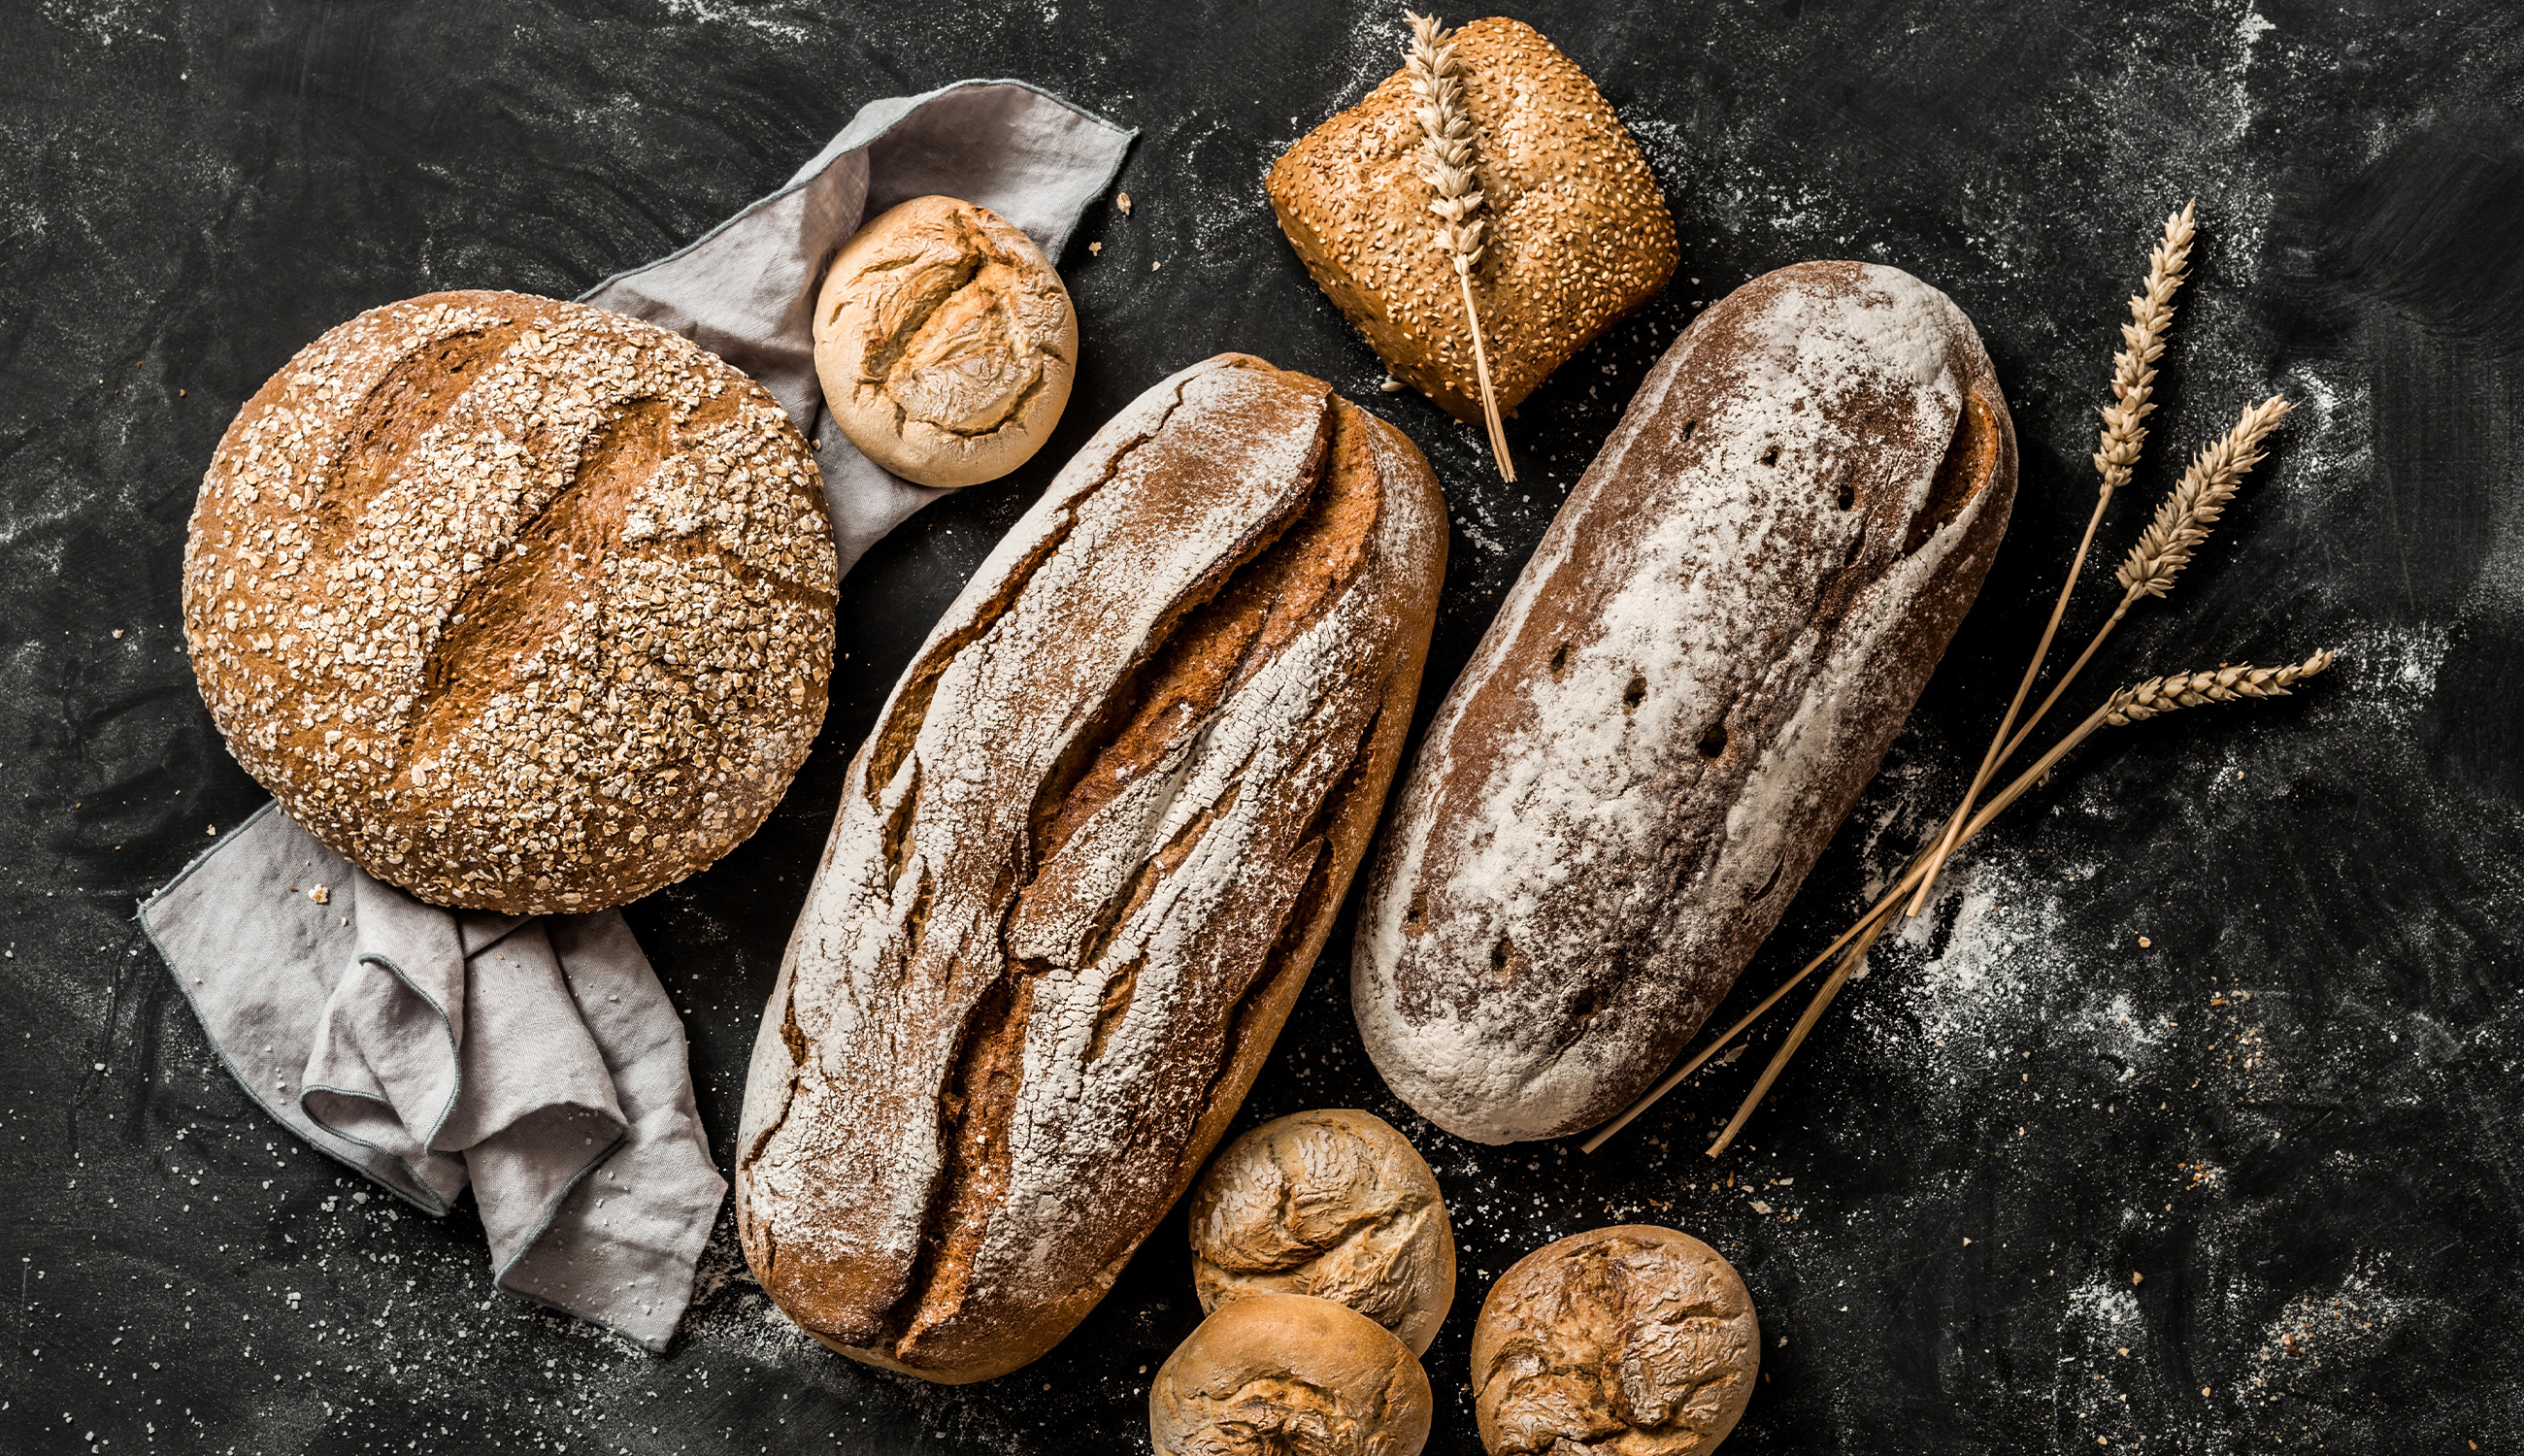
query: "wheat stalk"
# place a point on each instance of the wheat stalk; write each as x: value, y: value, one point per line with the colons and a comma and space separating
x: 1447, y: 163
x: 2186, y: 515
x: 2125, y: 432
x: 2154, y: 698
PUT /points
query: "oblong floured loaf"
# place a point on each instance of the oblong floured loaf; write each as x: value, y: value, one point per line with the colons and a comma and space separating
x: 1681, y: 698
x: 1082, y: 868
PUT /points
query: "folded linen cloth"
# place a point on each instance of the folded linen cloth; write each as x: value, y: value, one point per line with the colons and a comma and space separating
x: 538, y: 1058
x: 746, y: 291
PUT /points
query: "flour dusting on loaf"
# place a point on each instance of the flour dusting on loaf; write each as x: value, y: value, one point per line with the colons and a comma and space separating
x: 1681, y: 698
x: 1080, y: 868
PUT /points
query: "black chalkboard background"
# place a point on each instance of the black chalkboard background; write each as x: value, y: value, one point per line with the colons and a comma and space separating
x: 2039, y: 1183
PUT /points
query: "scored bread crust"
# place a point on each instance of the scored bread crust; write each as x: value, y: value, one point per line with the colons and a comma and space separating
x: 517, y: 603
x: 1681, y: 699
x: 1082, y: 868
x: 1574, y: 228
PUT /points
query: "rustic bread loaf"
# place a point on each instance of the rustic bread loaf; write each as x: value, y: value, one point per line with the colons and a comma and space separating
x: 1287, y: 1373
x: 1082, y: 868
x: 944, y: 342
x: 1636, y: 1339
x: 517, y: 603
x: 1577, y: 230
x: 1332, y: 1203
x: 1681, y: 698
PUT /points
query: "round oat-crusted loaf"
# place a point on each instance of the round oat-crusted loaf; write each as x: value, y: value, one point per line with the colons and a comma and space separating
x: 516, y: 604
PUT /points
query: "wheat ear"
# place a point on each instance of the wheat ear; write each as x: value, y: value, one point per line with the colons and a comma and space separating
x: 2185, y: 517
x: 2125, y: 432
x: 1447, y: 163
x: 2151, y: 698
x: 2143, y: 344
x: 2163, y: 695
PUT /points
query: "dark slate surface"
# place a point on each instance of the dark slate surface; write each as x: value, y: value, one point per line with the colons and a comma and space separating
x: 2289, y: 1109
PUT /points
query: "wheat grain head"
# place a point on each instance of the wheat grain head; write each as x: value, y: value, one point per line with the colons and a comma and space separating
x: 2163, y: 695
x: 2189, y: 510
x: 2143, y: 344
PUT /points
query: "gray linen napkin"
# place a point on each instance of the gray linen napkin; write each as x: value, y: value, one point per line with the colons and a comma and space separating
x: 538, y: 1058
x: 746, y: 289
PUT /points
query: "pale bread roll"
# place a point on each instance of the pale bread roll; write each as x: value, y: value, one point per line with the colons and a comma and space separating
x: 1332, y: 1203
x: 1290, y: 1373
x: 945, y: 343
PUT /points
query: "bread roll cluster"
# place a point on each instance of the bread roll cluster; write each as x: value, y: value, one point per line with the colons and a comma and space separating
x: 1324, y: 1255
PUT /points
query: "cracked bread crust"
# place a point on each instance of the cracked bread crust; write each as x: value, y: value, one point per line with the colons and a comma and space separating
x: 1681, y: 699
x: 1082, y: 868
x: 517, y: 603
x: 1332, y: 1203
x: 1634, y: 1340
x: 944, y: 342
x: 1274, y: 1372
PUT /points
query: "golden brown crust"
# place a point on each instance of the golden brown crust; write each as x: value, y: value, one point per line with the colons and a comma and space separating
x: 1272, y: 1372
x: 945, y: 343
x: 1082, y: 868
x: 517, y: 603
x: 1634, y: 1340
x: 1576, y: 229
x: 1332, y: 1203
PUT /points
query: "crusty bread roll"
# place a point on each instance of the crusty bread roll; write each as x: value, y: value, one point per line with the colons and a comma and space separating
x: 945, y: 343
x: 1276, y: 1373
x: 1332, y: 1203
x: 517, y: 603
x: 1575, y: 230
x: 1082, y: 868
x: 1634, y: 1339
x: 1681, y: 699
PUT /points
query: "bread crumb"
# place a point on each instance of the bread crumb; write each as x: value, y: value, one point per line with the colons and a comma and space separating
x: 321, y: 895
x: 2144, y: 942
x: 1153, y: 266
x: 117, y: 636
x: 1391, y: 385
x: 1122, y: 200
x: 1095, y: 246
